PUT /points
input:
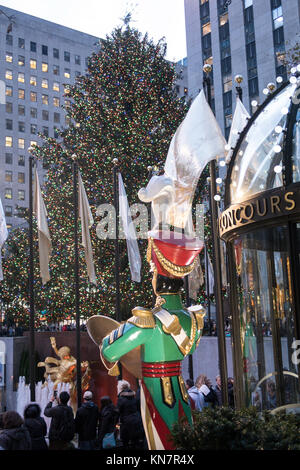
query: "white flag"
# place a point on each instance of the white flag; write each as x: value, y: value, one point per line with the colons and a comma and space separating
x: 45, y: 246
x: 197, y: 141
x: 239, y: 121
x: 130, y: 234
x: 3, y: 235
x: 87, y: 221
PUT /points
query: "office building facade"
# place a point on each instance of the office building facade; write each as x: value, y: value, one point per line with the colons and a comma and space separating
x: 38, y: 59
x: 246, y: 37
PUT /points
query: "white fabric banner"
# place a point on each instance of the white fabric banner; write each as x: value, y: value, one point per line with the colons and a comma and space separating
x: 239, y: 121
x: 86, y: 218
x: 45, y: 246
x: 197, y: 141
x: 134, y: 256
x: 3, y: 235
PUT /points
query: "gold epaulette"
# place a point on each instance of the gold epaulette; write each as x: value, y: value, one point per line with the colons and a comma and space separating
x: 199, y: 313
x: 142, y: 317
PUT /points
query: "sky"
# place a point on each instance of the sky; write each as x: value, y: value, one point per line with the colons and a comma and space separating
x: 99, y: 17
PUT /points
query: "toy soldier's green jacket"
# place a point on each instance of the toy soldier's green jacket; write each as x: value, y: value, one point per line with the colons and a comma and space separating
x: 166, y: 335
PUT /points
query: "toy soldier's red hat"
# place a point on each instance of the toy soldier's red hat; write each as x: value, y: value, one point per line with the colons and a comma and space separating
x: 173, y: 253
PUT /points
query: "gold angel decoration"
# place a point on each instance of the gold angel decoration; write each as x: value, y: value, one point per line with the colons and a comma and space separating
x: 63, y: 370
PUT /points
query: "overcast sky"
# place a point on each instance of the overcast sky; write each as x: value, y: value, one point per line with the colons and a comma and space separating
x: 99, y: 17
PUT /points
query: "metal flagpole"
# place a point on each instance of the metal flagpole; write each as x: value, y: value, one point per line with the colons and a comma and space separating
x: 217, y: 258
x: 31, y: 290
x: 76, y: 272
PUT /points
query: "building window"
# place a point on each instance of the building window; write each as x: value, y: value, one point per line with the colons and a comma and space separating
x: 45, y: 115
x: 206, y: 29
x: 67, y: 56
x: 46, y: 131
x: 77, y: 73
x: 9, y: 57
x: 33, y: 46
x: 55, y: 86
x: 8, y: 141
x: 44, y: 67
x: 8, y: 211
x: 8, y: 176
x: 277, y: 17
x: 8, y: 107
x: 44, y: 50
x: 8, y: 158
x: 278, y: 36
x: 33, y: 113
x: 33, y: 129
x: 55, y: 101
x: 67, y: 73
x: 253, y: 87
x: 55, y: 53
x: 45, y: 99
x: 77, y: 59
x: 8, y: 75
x: 248, y: 3
x: 226, y: 65
x: 21, y: 178
x: 21, y: 143
x: 21, y: 110
x: 9, y: 91
x: 21, y: 94
x: 21, y: 126
x: 8, y: 193
x: 9, y: 124
x: 55, y: 133
x: 32, y: 63
x: 55, y: 69
x: 21, y: 160
x: 21, y: 77
x: 21, y: 43
x: 9, y: 40
x: 21, y: 60
x: 56, y: 117
x: 33, y: 80
x: 21, y: 195
x: 33, y: 96
x: 275, y: 4
x: 44, y: 83
x: 33, y: 143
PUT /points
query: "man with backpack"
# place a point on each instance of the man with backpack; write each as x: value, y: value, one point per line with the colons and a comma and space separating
x: 86, y: 423
x: 62, y: 427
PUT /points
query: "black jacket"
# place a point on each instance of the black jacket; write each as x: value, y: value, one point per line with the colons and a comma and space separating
x: 86, y: 421
x: 131, y: 423
x: 107, y: 421
x: 37, y: 429
x: 15, y: 439
x: 58, y: 414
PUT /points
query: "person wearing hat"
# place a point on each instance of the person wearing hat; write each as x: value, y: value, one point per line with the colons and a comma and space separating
x: 86, y: 422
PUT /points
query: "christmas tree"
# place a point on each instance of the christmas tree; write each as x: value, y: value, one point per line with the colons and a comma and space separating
x: 124, y: 107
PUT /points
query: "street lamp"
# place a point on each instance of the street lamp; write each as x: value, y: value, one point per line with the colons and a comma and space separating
x: 239, y: 79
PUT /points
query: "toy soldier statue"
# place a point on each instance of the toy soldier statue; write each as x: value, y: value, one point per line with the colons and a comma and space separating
x: 153, y: 342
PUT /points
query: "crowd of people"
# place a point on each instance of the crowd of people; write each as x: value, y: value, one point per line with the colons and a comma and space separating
x: 110, y: 426
x: 113, y: 425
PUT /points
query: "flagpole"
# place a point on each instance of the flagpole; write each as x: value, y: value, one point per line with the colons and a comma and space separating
x: 117, y: 254
x: 31, y: 289
x: 216, y: 259
x: 76, y: 272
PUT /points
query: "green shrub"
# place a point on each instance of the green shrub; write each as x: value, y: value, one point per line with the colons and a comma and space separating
x: 223, y: 428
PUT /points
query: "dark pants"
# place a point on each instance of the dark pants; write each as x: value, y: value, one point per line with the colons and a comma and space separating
x: 61, y: 445
x: 86, y: 445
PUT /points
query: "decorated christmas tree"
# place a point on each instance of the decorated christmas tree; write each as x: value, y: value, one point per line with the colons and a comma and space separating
x: 124, y: 107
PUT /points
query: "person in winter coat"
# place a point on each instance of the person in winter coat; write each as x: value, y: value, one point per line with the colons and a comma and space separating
x: 202, y: 393
x: 86, y: 423
x: 62, y: 427
x: 107, y: 419
x: 15, y: 435
x: 36, y: 426
x: 131, y: 426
